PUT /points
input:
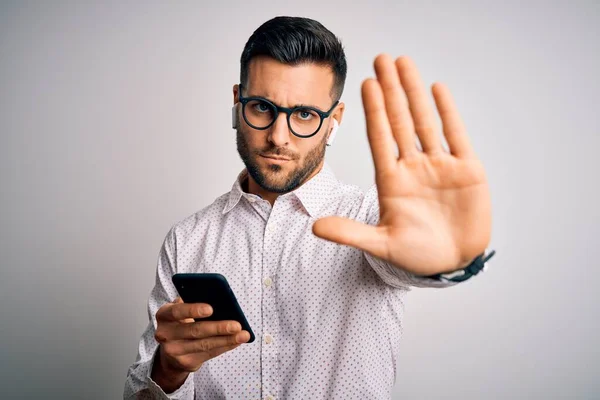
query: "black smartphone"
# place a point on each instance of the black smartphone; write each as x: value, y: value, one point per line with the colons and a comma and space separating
x: 212, y: 289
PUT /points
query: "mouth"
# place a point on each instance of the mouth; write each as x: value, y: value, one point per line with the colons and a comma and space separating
x: 275, y: 158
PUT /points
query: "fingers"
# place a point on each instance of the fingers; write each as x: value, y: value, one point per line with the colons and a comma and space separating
x: 180, y: 300
x: 180, y: 311
x: 191, y: 362
x: 420, y: 109
x: 379, y: 131
x: 396, y: 105
x: 454, y: 129
x: 182, y: 347
x: 204, y: 329
x: 187, y: 345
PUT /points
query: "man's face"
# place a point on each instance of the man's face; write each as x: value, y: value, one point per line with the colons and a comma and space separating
x: 299, y: 158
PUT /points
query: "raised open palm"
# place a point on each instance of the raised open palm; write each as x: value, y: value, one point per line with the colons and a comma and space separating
x: 435, y: 209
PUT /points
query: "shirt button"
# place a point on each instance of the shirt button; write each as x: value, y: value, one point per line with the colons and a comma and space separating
x: 271, y: 228
x: 251, y: 199
x: 269, y: 398
x: 268, y: 282
x: 268, y: 339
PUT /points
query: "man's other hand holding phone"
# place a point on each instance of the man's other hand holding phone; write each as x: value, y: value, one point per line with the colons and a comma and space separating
x: 185, y: 344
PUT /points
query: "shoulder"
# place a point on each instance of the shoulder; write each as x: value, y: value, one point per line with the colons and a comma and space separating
x: 196, y: 223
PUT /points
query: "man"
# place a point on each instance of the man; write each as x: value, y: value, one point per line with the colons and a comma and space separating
x: 326, y: 313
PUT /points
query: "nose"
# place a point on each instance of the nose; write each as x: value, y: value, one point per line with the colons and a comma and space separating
x: 279, y: 132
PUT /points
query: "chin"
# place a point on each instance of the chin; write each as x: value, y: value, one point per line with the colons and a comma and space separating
x: 276, y: 178
x: 276, y: 175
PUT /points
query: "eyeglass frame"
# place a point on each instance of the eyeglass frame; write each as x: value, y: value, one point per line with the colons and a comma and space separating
x: 286, y: 110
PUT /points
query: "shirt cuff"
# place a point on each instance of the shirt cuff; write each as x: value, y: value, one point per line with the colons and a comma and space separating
x: 185, y: 391
x: 400, y: 278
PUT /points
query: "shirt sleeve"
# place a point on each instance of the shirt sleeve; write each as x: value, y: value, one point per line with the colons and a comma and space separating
x: 139, y: 385
x: 389, y: 273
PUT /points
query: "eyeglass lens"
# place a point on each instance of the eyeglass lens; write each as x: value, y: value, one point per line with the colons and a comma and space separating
x: 260, y: 114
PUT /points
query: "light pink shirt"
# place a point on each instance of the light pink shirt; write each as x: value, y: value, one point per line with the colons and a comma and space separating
x: 327, y: 317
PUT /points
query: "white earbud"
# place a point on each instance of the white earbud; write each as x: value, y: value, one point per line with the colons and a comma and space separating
x: 234, y: 116
x: 333, y: 132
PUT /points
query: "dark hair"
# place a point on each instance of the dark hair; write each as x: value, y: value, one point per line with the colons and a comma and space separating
x: 293, y: 41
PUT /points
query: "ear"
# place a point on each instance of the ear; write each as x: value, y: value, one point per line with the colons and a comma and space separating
x: 236, y: 92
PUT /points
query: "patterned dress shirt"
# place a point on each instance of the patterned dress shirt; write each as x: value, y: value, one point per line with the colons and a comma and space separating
x: 327, y: 317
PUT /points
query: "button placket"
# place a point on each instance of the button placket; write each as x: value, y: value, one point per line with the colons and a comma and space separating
x: 269, y: 348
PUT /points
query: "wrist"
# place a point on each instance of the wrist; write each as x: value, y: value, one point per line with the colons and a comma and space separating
x: 471, y: 269
x: 165, y: 375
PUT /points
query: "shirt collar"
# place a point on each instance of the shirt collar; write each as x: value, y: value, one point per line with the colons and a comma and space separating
x: 236, y: 191
x: 313, y: 194
x: 316, y: 193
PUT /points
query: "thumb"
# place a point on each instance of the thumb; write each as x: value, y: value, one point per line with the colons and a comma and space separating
x: 369, y: 238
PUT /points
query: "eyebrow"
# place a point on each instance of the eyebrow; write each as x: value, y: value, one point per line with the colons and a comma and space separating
x: 294, y: 106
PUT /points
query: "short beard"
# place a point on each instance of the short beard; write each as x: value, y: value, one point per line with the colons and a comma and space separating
x: 294, y: 179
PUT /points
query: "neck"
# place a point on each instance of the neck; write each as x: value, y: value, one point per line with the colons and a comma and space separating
x: 254, y: 188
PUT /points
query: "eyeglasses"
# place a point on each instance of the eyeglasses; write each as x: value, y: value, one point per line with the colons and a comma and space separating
x: 303, y: 121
